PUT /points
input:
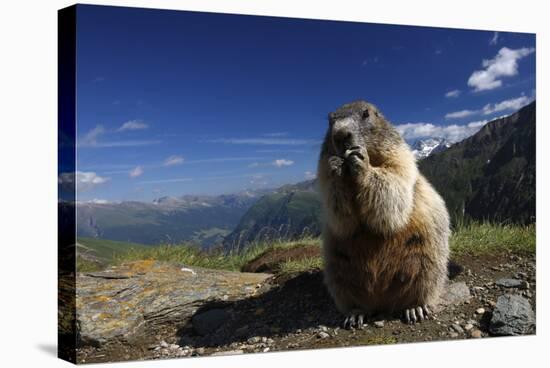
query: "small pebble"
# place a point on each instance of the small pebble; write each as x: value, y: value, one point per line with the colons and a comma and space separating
x: 457, y: 328
x: 228, y: 352
x: 379, y: 324
x: 475, y: 334
x: 254, y: 340
x: 480, y: 310
x: 323, y: 335
x: 468, y: 326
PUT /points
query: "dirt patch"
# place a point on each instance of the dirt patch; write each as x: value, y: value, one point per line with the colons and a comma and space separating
x: 271, y: 260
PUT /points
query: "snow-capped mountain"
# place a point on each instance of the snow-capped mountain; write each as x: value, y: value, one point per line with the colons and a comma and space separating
x: 423, y: 148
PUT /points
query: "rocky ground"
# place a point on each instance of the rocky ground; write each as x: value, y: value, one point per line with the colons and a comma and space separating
x: 142, y: 311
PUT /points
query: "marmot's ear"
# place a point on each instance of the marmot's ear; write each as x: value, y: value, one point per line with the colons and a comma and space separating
x: 330, y: 118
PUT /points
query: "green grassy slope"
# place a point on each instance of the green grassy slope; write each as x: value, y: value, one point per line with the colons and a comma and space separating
x: 95, y: 254
x: 474, y: 238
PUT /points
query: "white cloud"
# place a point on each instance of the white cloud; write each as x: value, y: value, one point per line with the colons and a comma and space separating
x: 277, y: 163
x: 221, y: 159
x: 494, y: 39
x: 265, y: 141
x: 135, y: 172
x: 258, y: 180
x: 282, y: 162
x: 504, y: 64
x: 460, y: 114
x: 132, y: 125
x: 453, y: 133
x: 276, y: 134
x: 99, y: 201
x: 511, y: 104
x: 84, y: 181
x: 280, y: 151
x: 160, y: 181
x: 173, y: 161
x: 136, y: 143
x: 91, y: 139
x: 453, y: 93
x: 309, y: 175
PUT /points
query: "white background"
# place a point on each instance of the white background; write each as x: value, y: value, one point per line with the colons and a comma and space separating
x: 28, y: 141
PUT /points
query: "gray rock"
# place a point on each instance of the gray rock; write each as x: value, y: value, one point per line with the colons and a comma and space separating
x: 512, y: 283
x: 209, y: 321
x: 323, y: 335
x: 228, y: 352
x: 455, y: 294
x: 379, y: 324
x: 254, y: 340
x: 512, y: 316
x: 136, y: 299
x: 457, y: 328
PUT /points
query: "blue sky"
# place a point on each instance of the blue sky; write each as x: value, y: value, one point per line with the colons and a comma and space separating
x: 174, y: 103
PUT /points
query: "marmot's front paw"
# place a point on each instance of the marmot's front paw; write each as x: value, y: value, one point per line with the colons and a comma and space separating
x: 335, y: 164
x: 357, y: 159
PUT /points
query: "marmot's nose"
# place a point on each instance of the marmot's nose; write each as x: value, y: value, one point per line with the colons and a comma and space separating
x: 343, y: 138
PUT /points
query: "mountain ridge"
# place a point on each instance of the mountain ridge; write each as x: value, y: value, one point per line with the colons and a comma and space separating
x: 472, y: 187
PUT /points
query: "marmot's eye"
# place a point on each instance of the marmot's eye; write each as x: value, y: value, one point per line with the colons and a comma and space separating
x: 365, y: 114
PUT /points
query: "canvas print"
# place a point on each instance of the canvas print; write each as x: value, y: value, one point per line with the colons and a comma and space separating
x: 233, y: 184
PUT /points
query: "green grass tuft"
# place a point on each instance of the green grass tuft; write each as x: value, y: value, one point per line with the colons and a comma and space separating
x: 302, y: 265
x: 192, y: 256
x: 486, y: 238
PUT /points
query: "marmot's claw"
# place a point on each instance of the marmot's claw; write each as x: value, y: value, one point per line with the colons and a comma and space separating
x: 354, y: 321
x: 417, y: 314
x: 335, y: 164
x: 356, y: 158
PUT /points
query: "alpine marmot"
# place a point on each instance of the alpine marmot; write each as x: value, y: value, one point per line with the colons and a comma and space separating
x: 385, y: 240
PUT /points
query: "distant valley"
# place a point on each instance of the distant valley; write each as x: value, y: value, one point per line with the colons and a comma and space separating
x: 204, y: 220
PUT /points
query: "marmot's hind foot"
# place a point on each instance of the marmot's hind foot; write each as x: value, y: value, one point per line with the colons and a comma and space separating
x: 416, y: 314
x: 354, y: 320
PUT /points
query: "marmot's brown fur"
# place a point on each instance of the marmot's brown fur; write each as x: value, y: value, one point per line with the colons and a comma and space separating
x: 385, y: 241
